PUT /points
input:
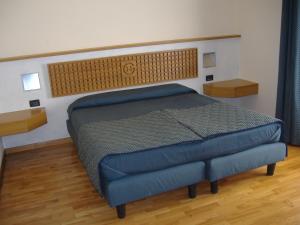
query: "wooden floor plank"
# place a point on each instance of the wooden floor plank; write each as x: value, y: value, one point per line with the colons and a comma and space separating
x: 50, y: 187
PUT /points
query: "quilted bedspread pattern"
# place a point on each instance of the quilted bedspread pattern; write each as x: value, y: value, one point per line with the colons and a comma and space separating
x: 161, y: 128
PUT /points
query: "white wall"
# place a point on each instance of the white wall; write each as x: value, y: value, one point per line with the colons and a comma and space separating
x: 12, y: 96
x: 40, y: 26
x: 35, y: 26
x: 259, y: 24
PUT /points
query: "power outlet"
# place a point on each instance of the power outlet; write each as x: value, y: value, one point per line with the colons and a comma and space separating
x: 209, y: 77
x: 34, y: 103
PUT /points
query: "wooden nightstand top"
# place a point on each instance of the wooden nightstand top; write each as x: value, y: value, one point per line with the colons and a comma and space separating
x: 231, y: 88
x: 22, y: 121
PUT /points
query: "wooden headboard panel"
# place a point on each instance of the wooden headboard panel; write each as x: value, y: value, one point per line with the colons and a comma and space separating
x: 68, y: 78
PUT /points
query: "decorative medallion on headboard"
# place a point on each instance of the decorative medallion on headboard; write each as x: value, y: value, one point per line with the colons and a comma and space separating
x: 68, y: 78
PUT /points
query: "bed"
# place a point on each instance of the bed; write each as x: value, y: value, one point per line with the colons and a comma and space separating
x: 140, y: 142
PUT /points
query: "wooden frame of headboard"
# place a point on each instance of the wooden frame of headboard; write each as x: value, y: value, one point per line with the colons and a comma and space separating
x: 74, y: 77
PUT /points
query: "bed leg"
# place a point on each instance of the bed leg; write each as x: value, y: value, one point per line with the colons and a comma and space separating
x: 271, y: 169
x: 214, y: 187
x: 121, y: 211
x: 192, y: 190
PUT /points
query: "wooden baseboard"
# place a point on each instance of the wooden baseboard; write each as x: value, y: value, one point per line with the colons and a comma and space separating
x: 34, y: 146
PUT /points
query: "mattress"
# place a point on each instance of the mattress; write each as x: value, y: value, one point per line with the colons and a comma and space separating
x: 116, y: 166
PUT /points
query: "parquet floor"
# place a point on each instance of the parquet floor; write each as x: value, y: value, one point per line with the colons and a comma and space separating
x: 49, y: 186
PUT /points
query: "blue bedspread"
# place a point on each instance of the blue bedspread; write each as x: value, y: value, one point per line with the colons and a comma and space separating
x: 185, y: 110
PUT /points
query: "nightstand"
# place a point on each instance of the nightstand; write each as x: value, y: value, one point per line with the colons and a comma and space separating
x: 19, y: 122
x: 22, y: 121
x: 231, y: 88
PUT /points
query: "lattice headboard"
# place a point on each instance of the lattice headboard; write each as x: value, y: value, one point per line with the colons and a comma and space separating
x: 68, y: 78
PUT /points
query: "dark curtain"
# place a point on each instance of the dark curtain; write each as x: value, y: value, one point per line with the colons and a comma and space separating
x: 288, y: 95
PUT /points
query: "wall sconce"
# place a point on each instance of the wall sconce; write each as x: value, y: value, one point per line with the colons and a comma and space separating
x: 31, y: 81
x: 209, y: 60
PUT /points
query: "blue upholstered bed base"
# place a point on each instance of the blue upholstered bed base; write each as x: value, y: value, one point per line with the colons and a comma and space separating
x: 136, y: 187
x: 221, y: 167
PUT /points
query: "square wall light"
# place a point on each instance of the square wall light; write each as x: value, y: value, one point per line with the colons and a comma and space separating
x: 31, y: 81
x: 209, y: 60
